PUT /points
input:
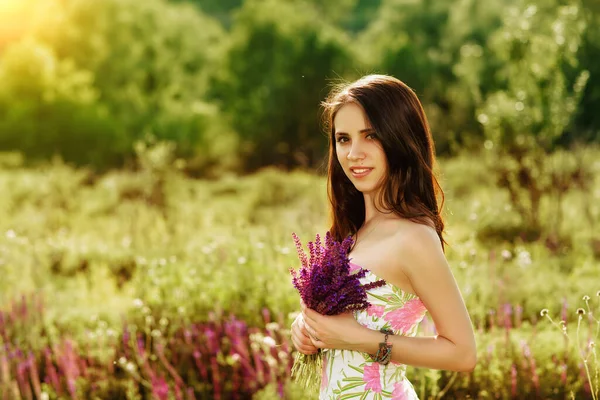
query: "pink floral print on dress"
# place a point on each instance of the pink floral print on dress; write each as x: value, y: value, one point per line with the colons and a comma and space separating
x: 400, y: 391
x: 403, y: 319
x: 376, y: 311
x: 372, y: 378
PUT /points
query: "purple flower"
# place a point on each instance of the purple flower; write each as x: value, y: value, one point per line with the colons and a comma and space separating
x: 327, y: 285
x: 325, y: 282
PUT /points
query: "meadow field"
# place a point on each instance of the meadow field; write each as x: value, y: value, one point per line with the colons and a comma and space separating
x: 149, y: 284
x: 156, y: 157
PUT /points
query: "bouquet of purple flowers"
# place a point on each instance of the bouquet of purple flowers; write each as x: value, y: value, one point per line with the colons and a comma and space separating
x: 327, y: 285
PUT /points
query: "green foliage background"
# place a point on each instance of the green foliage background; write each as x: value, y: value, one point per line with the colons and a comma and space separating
x: 161, y: 153
x: 236, y: 85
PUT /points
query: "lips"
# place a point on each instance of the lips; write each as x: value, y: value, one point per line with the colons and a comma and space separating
x: 359, y: 172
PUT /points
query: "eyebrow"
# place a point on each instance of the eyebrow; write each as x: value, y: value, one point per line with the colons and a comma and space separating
x: 366, y: 130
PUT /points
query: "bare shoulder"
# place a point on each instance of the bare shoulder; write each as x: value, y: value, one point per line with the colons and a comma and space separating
x: 417, y: 246
x: 416, y: 234
x: 401, y: 250
x: 412, y: 237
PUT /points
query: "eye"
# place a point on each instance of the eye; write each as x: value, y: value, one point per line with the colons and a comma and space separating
x: 372, y: 135
x: 341, y: 139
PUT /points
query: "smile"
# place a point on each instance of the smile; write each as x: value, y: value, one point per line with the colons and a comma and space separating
x: 360, y: 172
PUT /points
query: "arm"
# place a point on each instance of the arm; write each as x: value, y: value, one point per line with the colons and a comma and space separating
x: 425, y: 265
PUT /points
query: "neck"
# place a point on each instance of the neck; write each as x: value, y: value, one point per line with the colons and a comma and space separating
x: 373, y: 213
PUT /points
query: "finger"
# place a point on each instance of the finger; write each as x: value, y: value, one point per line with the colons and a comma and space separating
x: 309, y: 352
x: 301, y: 338
x: 306, y: 340
x: 303, y: 329
x: 312, y: 315
x: 303, y: 324
x: 310, y: 348
x: 305, y: 347
x: 306, y: 319
x: 307, y: 326
x: 312, y: 332
x: 310, y: 326
x: 299, y: 334
x: 316, y: 343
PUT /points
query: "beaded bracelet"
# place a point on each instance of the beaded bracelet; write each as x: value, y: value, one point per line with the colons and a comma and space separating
x: 384, y: 353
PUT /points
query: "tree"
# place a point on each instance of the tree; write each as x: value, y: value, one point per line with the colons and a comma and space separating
x: 406, y: 40
x: 148, y: 64
x: 48, y: 106
x: 474, y: 67
x: 536, y: 104
x: 280, y: 61
x: 587, y: 124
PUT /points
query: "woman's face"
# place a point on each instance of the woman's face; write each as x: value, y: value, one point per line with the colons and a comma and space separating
x: 358, y: 149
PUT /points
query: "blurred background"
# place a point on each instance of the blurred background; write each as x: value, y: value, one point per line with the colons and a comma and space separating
x: 156, y: 156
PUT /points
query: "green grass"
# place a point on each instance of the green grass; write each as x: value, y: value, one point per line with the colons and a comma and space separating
x: 92, y: 245
x: 100, y: 242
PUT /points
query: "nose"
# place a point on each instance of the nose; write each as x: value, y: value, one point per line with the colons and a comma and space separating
x: 356, y: 152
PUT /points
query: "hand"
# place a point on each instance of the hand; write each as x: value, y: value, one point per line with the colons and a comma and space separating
x: 300, y: 337
x: 333, y: 331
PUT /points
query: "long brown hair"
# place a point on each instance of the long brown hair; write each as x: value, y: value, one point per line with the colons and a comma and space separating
x: 410, y: 189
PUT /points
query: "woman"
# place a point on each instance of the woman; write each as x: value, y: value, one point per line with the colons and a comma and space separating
x: 383, y: 192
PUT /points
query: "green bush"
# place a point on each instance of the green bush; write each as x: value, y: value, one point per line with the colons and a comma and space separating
x: 88, y: 80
